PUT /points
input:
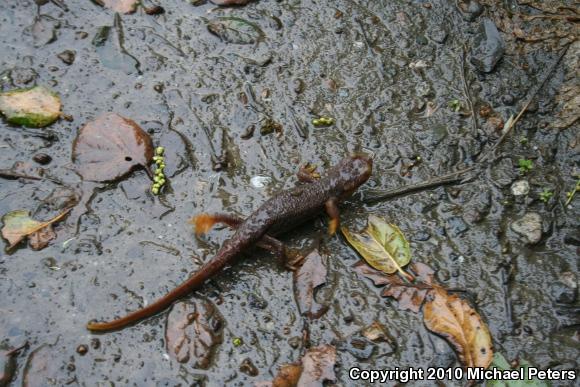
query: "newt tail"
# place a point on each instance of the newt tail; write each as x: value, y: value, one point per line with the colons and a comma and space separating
x: 284, y: 211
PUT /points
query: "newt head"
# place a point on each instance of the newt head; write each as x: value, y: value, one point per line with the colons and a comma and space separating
x: 352, y: 172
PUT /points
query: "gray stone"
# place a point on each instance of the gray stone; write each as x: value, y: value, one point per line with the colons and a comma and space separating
x: 520, y: 188
x: 529, y: 226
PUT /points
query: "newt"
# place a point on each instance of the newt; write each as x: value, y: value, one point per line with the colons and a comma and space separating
x: 287, y: 209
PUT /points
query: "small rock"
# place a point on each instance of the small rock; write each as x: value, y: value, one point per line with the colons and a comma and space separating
x: 529, y: 226
x: 67, y: 57
x: 248, y: 368
x: 469, y: 9
x: 565, y: 290
x: 42, y: 158
x: 520, y: 188
x: 421, y: 236
x: 257, y: 302
x: 488, y: 48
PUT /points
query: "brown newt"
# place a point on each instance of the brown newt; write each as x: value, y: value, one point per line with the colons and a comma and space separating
x: 287, y: 209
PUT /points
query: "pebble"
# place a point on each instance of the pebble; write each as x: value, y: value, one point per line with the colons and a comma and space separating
x: 529, y: 226
x: 248, y: 368
x: 488, y: 48
x: 42, y: 158
x: 67, y: 57
x: 520, y: 188
x: 565, y: 290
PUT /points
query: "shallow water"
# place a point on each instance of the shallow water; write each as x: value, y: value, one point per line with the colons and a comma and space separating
x: 371, y: 65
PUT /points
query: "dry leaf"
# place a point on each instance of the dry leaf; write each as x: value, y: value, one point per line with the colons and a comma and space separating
x: 316, y: 367
x: 111, y: 146
x: 307, y: 278
x: 18, y: 225
x: 121, y: 6
x: 409, y: 295
x: 193, y: 331
x: 457, y: 322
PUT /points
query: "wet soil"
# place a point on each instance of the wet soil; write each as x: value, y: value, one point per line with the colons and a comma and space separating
x: 379, y: 68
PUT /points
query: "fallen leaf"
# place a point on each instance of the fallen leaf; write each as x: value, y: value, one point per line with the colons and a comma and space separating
x: 235, y: 30
x: 34, y: 107
x: 18, y: 225
x: 460, y: 325
x: 409, y: 295
x: 288, y: 375
x: 382, y: 245
x: 315, y: 368
x: 121, y: 6
x: 307, y: 278
x: 8, y: 365
x: 376, y: 332
x: 501, y: 363
x: 45, y: 367
x: 110, y: 147
x: 193, y: 331
x: 318, y: 366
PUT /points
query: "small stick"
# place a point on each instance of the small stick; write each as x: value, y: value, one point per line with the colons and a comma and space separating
x: 455, y: 177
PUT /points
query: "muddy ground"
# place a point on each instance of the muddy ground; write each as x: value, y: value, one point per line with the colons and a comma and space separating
x: 235, y: 120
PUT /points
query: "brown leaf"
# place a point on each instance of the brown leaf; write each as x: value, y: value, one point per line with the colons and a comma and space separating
x: 410, y: 296
x: 18, y: 225
x: 110, y: 147
x: 457, y: 322
x: 192, y: 332
x: 307, y: 278
x: 287, y: 376
x: 45, y: 367
x: 39, y: 240
x: 121, y: 6
x: 318, y: 366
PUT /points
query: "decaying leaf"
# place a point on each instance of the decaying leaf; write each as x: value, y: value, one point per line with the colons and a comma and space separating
x: 501, y: 363
x: 110, y: 147
x: 121, y: 6
x: 18, y: 225
x: 459, y: 324
x: 8, y: 364
x: 409, y: 295
x: 382, y: 245
x: 235, y: 30
x: 34, y: 107
x: 307, y: 278
x: 316, y: 367
x: 193, y: 331
x: 44, y: 367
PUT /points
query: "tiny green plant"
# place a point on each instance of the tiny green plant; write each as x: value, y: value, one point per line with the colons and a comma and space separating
x: 570, y: 194
x: 454, y: 105
x: 525, y: 165
x: 546, y: 195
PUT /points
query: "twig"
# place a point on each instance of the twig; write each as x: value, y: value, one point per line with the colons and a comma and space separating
x: 10, y: 174
x: 455, y: 177
x: 510, y: 127
x: 450, y: 178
